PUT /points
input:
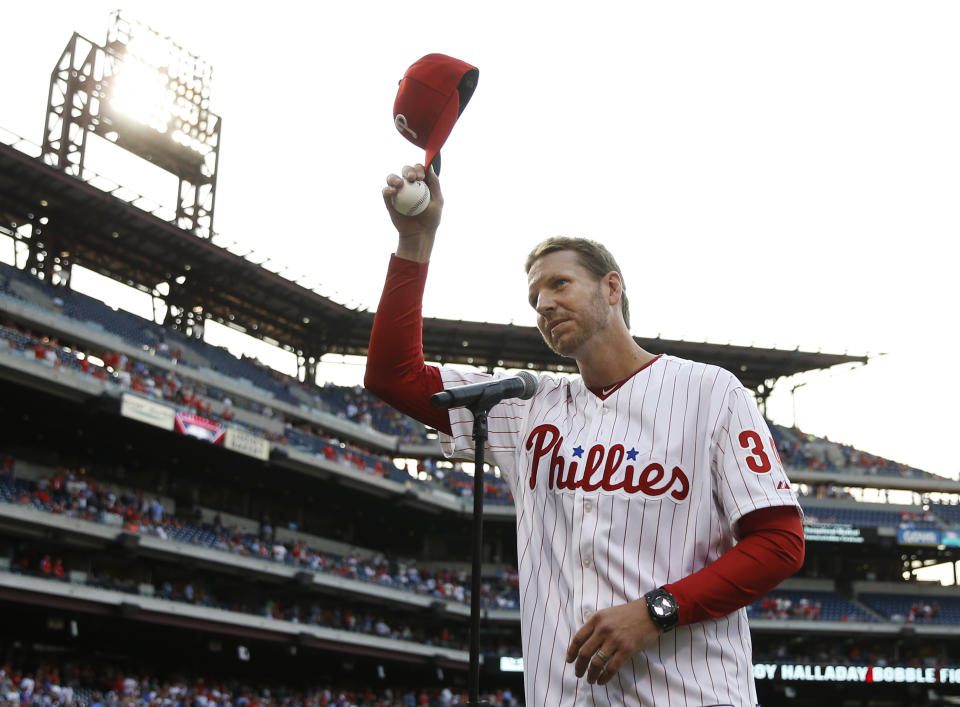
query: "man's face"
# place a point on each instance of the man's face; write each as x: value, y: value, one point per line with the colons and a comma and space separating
x: 572, y: 309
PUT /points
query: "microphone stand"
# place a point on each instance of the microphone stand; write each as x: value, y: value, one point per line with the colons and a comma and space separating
x: 480, y: 409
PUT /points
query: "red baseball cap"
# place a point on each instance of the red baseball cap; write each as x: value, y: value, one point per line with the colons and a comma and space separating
x: 432, y: 95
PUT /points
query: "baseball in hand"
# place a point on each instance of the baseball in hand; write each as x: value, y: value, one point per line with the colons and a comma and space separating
x: 412, y: 198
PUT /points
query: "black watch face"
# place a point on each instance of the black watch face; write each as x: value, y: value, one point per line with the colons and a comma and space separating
x: 664, y: 610
x: 664, y: 606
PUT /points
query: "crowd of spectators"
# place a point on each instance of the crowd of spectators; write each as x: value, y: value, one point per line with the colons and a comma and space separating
x: 922, y: 612
x: 823, y: 491
x: 131, y: 374
x: 341, y: 615
x: 358, y: 405
x: 914, y: 519
x: 804, y: 451
x: 869, y: 606
x: 782, y: 607
x: 350, y: 403
x: 191, y: 395
x: 78, y: 494
x: 796, y: 448
x: 458, y: 482
x: 73, y: 684
x: 812, y: 649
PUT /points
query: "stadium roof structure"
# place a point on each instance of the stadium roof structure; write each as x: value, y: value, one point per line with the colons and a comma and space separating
x: 513, y: 346
x: 101, y: 231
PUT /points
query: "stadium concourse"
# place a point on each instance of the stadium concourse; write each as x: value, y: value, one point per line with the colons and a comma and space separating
x: 177, y: 524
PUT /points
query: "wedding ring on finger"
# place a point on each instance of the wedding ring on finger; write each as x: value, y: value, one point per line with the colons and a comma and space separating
x: 604, y: 658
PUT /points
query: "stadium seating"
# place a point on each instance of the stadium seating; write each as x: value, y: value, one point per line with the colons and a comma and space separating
x: 95, y: 508
x: 913, y: 609
x: 803, y: 451
x: 139, y: 332
x: 860, y: 517
x: 808, y: 605
x: 30, y: 679
x: 156, y: 381
x: 344, y: 614
x: 796, y: 448
x: 949, y: 514
x: 10, y: 491
x: 143, y: 334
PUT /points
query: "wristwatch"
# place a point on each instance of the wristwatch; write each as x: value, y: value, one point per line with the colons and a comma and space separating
x: 663, y: 609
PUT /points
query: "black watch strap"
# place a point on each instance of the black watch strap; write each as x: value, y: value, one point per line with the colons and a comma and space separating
x: 663, y: 609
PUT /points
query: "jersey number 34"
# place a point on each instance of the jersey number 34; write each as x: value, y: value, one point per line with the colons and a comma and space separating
x: 757, y: 461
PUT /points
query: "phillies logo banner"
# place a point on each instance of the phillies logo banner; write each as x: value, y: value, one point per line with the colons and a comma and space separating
x: 200, y: 428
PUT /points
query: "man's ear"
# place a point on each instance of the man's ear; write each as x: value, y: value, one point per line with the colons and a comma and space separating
x: 613, y: 287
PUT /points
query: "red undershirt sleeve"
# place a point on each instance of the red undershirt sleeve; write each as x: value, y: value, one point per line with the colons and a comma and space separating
x: 771, y: 548
x: 396, y: 372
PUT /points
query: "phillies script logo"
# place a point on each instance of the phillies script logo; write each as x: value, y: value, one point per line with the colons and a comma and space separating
x: 600, y: 468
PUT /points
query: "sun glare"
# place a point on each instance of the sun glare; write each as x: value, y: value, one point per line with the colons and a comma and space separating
x: 159, y: 84
x: 141, y: 92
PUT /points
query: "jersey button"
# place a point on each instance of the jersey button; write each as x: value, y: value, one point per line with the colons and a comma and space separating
x: 586, y: 562
x: 587, y: 614
x: 588, y: 506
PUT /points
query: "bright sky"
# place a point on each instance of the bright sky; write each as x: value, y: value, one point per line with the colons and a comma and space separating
x: 782, y: 174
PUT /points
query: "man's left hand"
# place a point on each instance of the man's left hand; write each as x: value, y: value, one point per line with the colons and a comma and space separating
x: 609, y: 639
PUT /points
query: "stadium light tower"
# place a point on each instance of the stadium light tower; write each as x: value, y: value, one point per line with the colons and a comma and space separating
x: 148, y: 95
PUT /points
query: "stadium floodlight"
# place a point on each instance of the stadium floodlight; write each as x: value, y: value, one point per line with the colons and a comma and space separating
x: 158, y: 83
x: 142, y: 93
x: 148, y: 95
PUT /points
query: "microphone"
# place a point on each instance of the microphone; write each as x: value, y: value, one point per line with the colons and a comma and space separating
x: 523, y: 386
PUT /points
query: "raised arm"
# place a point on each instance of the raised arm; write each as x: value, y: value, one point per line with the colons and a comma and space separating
x: 396, y: 371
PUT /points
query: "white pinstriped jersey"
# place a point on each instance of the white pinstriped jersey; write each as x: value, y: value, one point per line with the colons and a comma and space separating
x: 621, y: 495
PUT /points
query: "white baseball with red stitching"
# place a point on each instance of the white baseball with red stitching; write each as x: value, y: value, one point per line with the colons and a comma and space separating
x: 412, y: 199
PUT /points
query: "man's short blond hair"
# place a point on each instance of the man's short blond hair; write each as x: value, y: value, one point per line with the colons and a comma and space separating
x: 591, y: 255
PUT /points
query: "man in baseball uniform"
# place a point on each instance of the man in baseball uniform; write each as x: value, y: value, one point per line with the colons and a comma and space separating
x: 651, y: 504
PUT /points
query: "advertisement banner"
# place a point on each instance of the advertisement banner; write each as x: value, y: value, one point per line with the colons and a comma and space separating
x: 238, y: 440
x: 950, y: 538
x: 946, y: 675
x: 146, y: 411
x: 199, y: 427
x: 916, y: 536
x: 511, y: 664
x: 832, y: 532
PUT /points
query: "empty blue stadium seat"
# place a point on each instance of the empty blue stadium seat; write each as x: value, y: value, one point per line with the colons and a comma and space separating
x: 898, y: 606
x: 864, y: 518
x: 949, y: 514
